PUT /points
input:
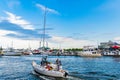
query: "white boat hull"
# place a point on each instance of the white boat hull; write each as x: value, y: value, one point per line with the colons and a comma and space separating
x: 90, y: 55
x: 41, y: 70
x: 12, y: 54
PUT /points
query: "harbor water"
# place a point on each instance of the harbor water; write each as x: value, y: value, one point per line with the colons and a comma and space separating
x: 79, y: 68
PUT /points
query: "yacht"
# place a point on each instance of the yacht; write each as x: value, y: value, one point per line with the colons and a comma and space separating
x: 89, y: 53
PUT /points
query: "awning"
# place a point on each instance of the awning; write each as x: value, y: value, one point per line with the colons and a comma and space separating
x: 115, y: 47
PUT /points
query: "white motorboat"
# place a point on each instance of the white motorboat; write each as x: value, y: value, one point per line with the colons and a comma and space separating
x: 111, y: 53
x: 9, y: 52
x: 89, y: 53
x: 53, y: 73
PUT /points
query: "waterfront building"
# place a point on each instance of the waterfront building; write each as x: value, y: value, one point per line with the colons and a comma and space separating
x: 108, y: 45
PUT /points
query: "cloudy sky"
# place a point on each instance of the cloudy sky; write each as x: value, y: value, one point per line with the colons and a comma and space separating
x: 69, y: 23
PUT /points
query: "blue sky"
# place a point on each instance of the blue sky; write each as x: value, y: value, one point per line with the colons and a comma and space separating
x: 68, y: 21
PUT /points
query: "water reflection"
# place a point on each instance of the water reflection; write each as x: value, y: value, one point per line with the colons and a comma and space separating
x: 117, y: 59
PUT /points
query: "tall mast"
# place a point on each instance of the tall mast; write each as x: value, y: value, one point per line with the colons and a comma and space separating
x: 44, y: 28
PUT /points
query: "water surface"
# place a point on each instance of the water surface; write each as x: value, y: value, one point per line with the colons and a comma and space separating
x: 20, y: 68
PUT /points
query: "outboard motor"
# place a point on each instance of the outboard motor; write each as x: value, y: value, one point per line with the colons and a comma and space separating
x: 66, y: 74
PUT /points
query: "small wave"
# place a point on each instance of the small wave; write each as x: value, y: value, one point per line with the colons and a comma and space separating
x: 73, y: 78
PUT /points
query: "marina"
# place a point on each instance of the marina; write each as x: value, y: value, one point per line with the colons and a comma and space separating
x: 80, y: 68
x: 58, y: 40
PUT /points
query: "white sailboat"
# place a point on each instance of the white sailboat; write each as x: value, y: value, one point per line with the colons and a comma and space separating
x: 42, y: 69
x: 10, y: 51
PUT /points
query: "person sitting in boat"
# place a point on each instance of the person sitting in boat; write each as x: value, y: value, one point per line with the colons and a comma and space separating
x: 44, y: 61
x: 58, y: 62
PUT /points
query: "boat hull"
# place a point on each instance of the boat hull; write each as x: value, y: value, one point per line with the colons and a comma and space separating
x: 12, y: 54
x: 41, y: 70
x: 90, y: 55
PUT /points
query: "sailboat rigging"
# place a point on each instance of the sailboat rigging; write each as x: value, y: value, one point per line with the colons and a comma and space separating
x: 49, y: 69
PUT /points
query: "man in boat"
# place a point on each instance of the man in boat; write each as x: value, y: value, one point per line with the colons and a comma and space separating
x: 58, y: 62
x: 44, y: 61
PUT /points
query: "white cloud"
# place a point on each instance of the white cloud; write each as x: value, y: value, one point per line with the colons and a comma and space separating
x: 47, y: 9
x: 17, y: 43
x: 65, y: 42
x: 5, y: 32
x: 6, y: 42
x: 18, y: 20
x: 54, y: 42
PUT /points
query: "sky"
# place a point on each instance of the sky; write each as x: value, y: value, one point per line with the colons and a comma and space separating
x: 69, y: 23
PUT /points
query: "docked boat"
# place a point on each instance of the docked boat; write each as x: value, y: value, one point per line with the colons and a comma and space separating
x: 11, y: 52
x: 27, y: 52
x: 36, y: 52
x: 89, y: 53
x: 111, y: 53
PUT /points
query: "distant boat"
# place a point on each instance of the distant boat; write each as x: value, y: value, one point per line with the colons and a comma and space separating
x: 89, y: 53
x: 36, y: 51
x: 111, y: 53
x: 27, y: 52
x: 11, y: 52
